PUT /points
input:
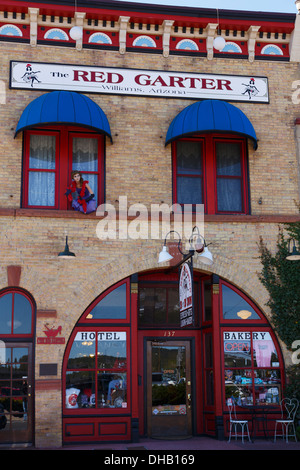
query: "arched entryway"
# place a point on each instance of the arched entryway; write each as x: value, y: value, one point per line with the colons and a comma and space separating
x: 131, y: 369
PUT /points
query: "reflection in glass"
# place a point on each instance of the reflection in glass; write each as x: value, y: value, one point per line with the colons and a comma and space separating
x: 5, y: 313
x: 158, y: 306
x: 82, y: 355
x: 22, y: 315
x: 112, y: 350
x: 235, y: 307
x: 168, y: 379
x: 112, y: 306
x: 237, y: 349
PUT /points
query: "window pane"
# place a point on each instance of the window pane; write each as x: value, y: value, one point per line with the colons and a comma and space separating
x: 152, y: 305
x: 189, y: 158
x: 85, y: 154
x: 267, y: 386
x: 264, y: 352
x: 229, y: 195
x: 189, y: 190
x: 112, y: 306
x: 41, y: 190
x: 42, y: 152
x: 112, y: 350
x: 237, y: 349
x: 20, y: 355
x: 22, y: 315
x: 228, y: 159
x: 112, y: 390
x: 238, y: 385
x: 235, y: 307
x: 5, y: 314
x: 80, y: 389
x: 82, y: 354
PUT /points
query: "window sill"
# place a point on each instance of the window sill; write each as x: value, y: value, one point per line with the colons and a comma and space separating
x: 208, y: 218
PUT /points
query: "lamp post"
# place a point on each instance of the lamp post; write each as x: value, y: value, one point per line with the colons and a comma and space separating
x: 199, y: 246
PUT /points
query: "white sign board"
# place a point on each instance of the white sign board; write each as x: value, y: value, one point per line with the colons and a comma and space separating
x: 125, y: 81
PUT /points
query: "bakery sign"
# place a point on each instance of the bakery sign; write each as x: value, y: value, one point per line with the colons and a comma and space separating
x: 126, y: 81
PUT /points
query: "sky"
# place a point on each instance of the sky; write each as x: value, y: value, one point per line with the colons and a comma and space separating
x: 278, y: 6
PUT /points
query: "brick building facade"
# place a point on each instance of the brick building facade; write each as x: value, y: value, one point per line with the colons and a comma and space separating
x: 137, y: 163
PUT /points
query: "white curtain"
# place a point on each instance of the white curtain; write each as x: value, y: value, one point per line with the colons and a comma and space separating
x: 229, y: 174
x: 41, y: 184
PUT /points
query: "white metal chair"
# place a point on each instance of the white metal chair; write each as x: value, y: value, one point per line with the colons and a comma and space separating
x: 288, y: 412
x: 235, y: 422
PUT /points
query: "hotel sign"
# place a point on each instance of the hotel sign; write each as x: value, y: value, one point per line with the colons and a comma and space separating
x: 125, y: 81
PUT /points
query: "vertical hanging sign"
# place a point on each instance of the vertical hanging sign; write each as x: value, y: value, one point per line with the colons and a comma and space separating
x: 186, y: 294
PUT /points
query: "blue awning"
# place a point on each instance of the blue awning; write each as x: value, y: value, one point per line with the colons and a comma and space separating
x: 64, y: 107
x: 210, y: 116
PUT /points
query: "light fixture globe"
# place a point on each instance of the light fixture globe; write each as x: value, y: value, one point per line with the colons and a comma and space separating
x: 206, y: 257
x: 219, y: 43
x: 76, y: 33
x: 164, y: 255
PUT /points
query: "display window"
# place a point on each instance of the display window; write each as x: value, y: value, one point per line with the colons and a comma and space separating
x: 212, y: 171
x: 50, y: 155
x: 96, y: 363
x: 252, y: 367
x: 96, y: 373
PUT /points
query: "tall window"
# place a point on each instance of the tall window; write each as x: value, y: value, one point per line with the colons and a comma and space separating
x: 49, y: 158
x: 97, y: 361
x: 212, y: 171
x: 253, y: 369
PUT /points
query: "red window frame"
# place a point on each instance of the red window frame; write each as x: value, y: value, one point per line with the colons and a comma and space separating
x: 252, y: 368
x: 98, y: 411
x: 249, y: 321
x: 209, y: 173
x: 85, y: 317
x: 63, y: 167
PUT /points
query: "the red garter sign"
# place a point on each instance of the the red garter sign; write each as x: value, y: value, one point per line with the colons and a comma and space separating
x: 138, y: 82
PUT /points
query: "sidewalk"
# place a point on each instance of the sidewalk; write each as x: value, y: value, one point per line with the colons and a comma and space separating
x: 188, y: 445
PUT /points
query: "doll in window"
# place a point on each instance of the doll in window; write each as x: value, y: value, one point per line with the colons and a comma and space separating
x: 80, y: 194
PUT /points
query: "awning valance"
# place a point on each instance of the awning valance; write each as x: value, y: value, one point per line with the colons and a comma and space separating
x: 210, y: 116
x: 64, y: 107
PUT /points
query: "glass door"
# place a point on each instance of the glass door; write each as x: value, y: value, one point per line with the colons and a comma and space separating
x: 16, y: 400
x: 169, y: 400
